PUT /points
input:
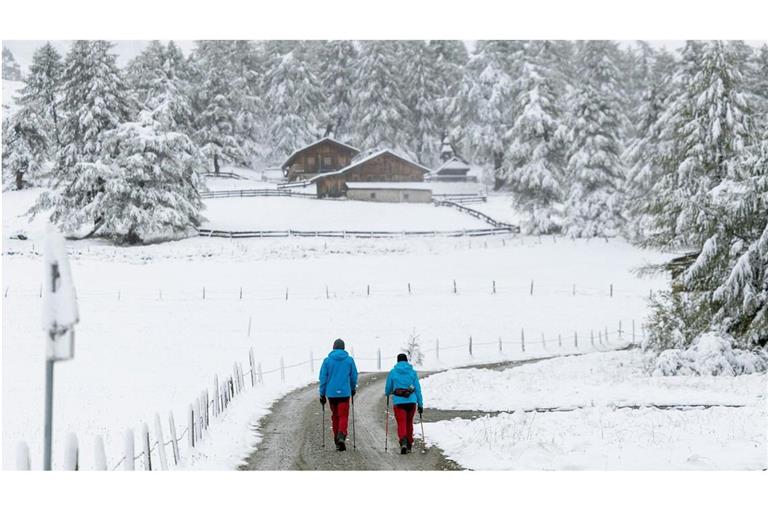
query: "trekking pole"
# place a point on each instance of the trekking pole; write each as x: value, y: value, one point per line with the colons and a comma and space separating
x: 354, y: 444
x: 322, y: 426
x: 386, y: 423
x: 423, y: 437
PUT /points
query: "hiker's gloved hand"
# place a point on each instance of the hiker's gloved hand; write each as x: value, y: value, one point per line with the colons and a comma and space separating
x: 353, y: 392
x: 322, y: 400
x: 421, y: 410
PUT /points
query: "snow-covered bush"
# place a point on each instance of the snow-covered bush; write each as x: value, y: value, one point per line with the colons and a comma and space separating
x: 413, y: 350
x: 711, y: 353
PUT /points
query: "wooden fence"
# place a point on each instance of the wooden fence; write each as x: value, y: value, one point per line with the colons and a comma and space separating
x: 480, y: 215
x: 217, y: 233
x: 254, y: 192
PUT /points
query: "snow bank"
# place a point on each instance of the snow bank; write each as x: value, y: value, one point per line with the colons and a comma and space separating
x: 603, y: 379
x: 601, y: 438
x: 711, y: 353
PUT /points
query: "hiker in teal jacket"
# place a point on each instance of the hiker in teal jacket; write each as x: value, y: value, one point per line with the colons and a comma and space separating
x: 338, y: 381
x: 403, y: 385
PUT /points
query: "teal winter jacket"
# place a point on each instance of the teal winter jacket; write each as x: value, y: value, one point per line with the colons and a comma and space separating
x: 404, y: 376
x: 338, y: 375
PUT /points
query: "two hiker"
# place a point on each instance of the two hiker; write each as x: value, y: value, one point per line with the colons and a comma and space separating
x: 338, y: 382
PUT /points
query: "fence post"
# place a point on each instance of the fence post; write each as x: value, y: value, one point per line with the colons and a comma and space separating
x: 378, y: 358
x: 368, y: 290
x: 174, y: 440
x: 253, y: 367
x: 501, y: 349
x: 611, y: 292
x: 160, y: 443
x: 409, y: 288
x: 286, y: 294
x: 282, y: 370
x: 470, y: 346
x: 543, y: 342
x: 203, y: 292
x: 237, y: 379
x: 437, y: 349
x: 216, y: 396
x: 327, y: 295
x: 531, y: 286
x: 575, y: 339
x: 147, y: 449
x: 633, y: 330
x: 128, y: 462
x: 454, y: 286
x: 99, y: 455
x: 494, y: 286
x: 22, y: 457
x: 606, y: 335
x: 620, y: 332
x: 261, y: 375
x: 574, y: 289
x: 191, y: 426
x: 71, y: 455
x: 559, y: 341
x: 599, y: 338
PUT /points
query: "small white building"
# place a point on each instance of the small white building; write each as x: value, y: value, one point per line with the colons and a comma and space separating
x: 389, y: 192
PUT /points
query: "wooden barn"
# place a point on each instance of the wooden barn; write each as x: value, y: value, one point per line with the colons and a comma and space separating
x: 321, y: 156
x: 390, y: 192
x: 454, y: 169
x: 380, y: 167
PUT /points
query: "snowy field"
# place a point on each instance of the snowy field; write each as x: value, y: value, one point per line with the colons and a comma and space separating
x: 607, y: 415
x: 148, y: 342
x: 299, y: 213
x: 499, y: 207
x: 214, y: 184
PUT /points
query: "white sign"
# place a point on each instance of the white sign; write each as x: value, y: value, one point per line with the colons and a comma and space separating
x: 59, y: 301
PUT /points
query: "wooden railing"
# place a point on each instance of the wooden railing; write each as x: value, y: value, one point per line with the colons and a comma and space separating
x: 480, y: 215
x: 217, y: 233
x: 254, y: 192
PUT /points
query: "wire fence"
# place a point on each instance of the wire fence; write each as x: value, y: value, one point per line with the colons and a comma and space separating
x: 212, y: 403
x: 403, y: 290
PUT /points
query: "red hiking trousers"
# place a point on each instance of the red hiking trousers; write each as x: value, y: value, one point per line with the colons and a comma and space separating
x: 339, y: 414
x: 404, y: 414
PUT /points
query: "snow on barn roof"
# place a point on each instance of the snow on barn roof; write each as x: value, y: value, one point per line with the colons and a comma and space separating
x: 389, y: 185
x: 366, y: 159
x: 292, y: 156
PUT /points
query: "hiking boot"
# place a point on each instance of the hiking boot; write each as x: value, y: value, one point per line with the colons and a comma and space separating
x: 340, y: 441
x: 403, y: 446
x: 409, y: 446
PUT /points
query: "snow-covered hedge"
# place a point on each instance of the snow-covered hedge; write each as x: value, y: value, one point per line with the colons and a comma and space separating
x: 711, y: 353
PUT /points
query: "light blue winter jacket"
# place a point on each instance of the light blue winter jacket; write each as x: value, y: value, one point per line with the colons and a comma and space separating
x: 404, y: 376
x: 338, y: 375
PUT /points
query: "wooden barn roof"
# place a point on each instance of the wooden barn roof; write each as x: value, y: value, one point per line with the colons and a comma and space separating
x: 370, y: 157
x: 293, y: 155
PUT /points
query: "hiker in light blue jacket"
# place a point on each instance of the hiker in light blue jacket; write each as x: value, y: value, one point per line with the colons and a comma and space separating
x: 403, y: 385
x: 338, y: 381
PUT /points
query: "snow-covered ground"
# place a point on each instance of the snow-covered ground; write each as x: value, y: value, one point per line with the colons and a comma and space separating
x: 611, y: 416
x: 148, y: 342
x: 214, y: 184
x: 499, y: 207
x: 299, y: 213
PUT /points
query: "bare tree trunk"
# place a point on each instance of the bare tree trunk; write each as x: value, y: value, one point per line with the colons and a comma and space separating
x: 216, y: 164
x: 19, y: 180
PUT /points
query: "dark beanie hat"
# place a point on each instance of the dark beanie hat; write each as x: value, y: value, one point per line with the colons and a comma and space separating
x: 402, y: 357
x: 338, y: 344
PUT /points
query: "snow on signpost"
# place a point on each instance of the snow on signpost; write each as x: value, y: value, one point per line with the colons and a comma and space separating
x: 59, y: 302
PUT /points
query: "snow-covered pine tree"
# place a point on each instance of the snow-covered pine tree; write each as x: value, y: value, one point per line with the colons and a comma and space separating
x: 292, y: 98
x: 336, y: 69
x: 450, y: 57
x: 712, y: 197
x: 759, y: 82
x: 595, y: 171
x: 40, y: 93
x: 217, y: 104
x: 643, y: 154
x: 378, y: 112
x: 488, y: 91
x: 25, y: 145
x: 11, y: 68
x: 422, y: 96
x: 535, y: 159
x: 153, y: 182
x: 141, y: 71
x: 94, y: 100
x: 706, y: 125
